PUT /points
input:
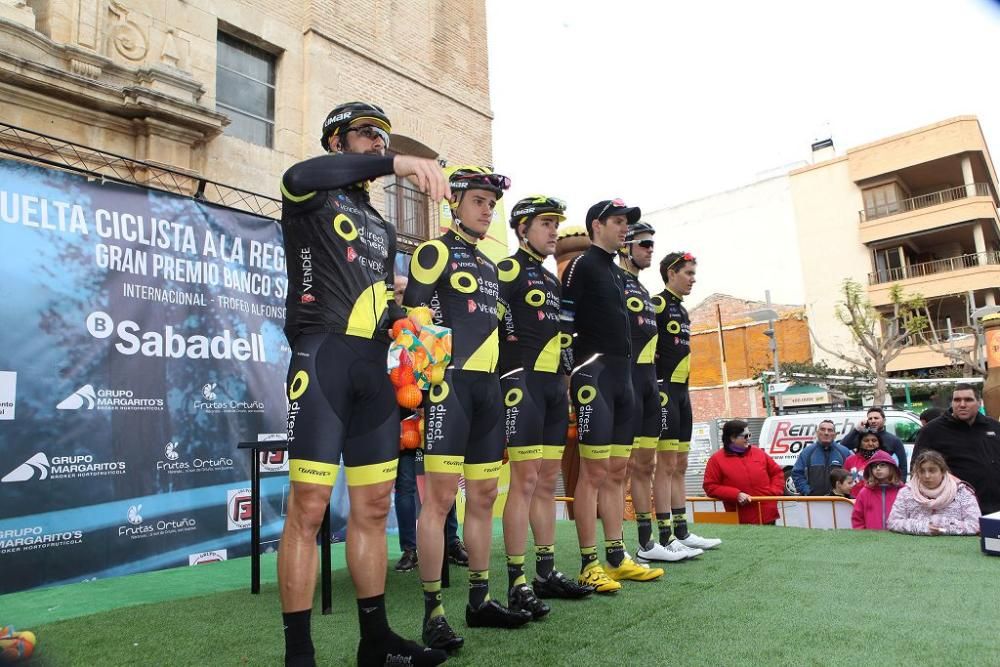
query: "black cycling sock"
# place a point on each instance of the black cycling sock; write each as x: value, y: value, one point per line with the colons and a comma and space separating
x: 614, y: 551
x: 545, y: 560
x: 394, y: 650
x: 515, y: 571
x: 663, y: 525
x: 371, y: 618
x: 298, y: 642
x: 644, y: 522
x: 680, y: 522
x: 588, y: 557
x: 479, y: 588
x: 432, y: 599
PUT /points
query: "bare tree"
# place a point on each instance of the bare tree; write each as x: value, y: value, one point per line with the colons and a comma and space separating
x: 880, y: 338
x: 971, y: 358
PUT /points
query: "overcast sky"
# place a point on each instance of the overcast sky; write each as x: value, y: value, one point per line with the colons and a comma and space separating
x: 665, y: 102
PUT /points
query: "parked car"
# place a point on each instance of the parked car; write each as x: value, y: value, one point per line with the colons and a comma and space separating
x: 783, y: 437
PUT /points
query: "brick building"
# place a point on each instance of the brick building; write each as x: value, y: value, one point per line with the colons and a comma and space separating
x: 235, y: 91
x: 747, y: 354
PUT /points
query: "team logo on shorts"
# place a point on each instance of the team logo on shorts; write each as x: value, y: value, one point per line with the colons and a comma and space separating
x: 586, y: 394
x: 439, y: 392
x: 299, y: 385
x: 513, y: 397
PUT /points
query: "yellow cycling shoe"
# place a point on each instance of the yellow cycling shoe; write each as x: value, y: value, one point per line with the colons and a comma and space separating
x: 596, y: 576
x: 632, y: 571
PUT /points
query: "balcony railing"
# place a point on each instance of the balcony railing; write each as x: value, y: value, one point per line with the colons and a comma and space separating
x: 923, y: 201
x: 937, y: 266
x: 410, y: 210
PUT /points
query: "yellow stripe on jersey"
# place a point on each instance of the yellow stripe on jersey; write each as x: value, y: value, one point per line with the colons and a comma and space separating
x: 298, y: 199
x: 648, y: 354
x: 367, y: 311
x: 485, y: 358
x: 682, y: 371
x: 550, y: 356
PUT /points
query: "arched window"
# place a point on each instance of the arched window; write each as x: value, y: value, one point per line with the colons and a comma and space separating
x: 405, y: 206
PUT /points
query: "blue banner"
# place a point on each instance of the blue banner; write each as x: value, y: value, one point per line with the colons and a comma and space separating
x: 141, y: 341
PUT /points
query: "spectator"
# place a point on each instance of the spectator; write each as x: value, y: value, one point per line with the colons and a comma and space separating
x: 874, y: 501
x: 840, y: 480
x: 739, y: 470
x: 935, y: 502
x: 889, y: 441
x: 871, y: 442
x: 970, y: 444
x: 929, y: 415
x: 811, y: 473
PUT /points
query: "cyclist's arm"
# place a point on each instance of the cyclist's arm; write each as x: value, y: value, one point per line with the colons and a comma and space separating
x: 332, y: 171
x: 572, y: 291
x: 426, y: 267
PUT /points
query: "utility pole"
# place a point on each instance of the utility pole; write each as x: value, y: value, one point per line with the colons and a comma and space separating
x: 722, y: 363
x: 771, y: 333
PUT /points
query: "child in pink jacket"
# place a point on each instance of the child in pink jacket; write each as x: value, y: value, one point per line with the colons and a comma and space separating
x: 875, y: 499
x: 934, y: 502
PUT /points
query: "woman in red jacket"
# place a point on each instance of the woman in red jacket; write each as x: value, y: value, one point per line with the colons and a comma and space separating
x: 739, y: 470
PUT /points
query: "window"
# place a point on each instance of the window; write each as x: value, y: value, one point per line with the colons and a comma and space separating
x: 883, y: 200
x: 244, y: 78
x: 406, y: 207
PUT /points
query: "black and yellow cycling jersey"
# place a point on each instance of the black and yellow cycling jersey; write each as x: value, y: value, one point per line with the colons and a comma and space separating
x: 642, y: 311
x: 529, y: 315
x: 460, y: 285
x: 593, y: 306
x: 673, y: 347
x: 339, y: 251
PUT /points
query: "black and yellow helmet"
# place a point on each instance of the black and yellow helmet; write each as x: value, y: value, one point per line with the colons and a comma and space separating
x: 342, y: 116
x: 527, y: 208
x: 478, y: 178
x: 638, y: 228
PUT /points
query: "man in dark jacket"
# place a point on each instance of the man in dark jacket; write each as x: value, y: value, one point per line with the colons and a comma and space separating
x: 812, y: 469
x: 875, y: 419
x: 970, y: 443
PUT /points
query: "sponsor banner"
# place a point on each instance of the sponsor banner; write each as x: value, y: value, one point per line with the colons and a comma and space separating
x: 142, y: 341
x: 205, y: 557
x: 238, y: 510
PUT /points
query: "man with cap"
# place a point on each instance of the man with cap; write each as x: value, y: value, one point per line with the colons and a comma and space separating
x: 595, y: 313
x: 463, y: 415
x: 340, y: 256
x: 534, y: 391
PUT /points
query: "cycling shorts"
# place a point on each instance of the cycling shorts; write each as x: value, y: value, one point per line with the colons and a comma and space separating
x: 676, y: 417
x: 341, y: 403
x: 646, y: 412
x: 536, y: 408
x: 601, y: 390
x: 463, y: 425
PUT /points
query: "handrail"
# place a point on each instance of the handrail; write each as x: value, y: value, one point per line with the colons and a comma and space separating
x: 956, y: 263
x: 925, y: 200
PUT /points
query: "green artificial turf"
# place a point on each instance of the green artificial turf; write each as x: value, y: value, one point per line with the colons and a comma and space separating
x: 768, y: 596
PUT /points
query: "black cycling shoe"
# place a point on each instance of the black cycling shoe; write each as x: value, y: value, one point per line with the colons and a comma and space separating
x: 394, y: 650
x: 438, y: 634
x: 557, y: 585
x: 408, y: 561
x: 494, y: 615
x: 457, y: 554
x: 521, y: 597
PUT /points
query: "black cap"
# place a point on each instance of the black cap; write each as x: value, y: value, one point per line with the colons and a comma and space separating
x: 603, y: 209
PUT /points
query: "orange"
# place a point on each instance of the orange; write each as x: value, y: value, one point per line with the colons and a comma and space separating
x: 409, y: 439
x: 402, y: 323
x: 409, y: 396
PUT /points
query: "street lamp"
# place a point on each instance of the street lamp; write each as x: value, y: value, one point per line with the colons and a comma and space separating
x: 770, y: 316
x: 976, y: 316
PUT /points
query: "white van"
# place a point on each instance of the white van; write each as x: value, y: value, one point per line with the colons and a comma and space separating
x: 783, y: 437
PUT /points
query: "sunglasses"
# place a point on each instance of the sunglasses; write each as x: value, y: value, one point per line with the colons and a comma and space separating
x: 617, y: 203
x: 745, y: 435
x: 685, y: 257
x: 371, y: 132
x: 494, y: 180
x: 645, y: 243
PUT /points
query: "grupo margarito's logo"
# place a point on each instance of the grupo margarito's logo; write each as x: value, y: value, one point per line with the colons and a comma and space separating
x: 88, y: 398
x: 37, y: 464
x: 41, y: 467
x: 30, y: 538
x: 205, y: 557
x: 174, y: 464
x: 137, y: 529
x: 169, y: 343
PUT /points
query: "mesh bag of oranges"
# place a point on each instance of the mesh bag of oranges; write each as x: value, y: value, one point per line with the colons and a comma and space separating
x: 418, y: 356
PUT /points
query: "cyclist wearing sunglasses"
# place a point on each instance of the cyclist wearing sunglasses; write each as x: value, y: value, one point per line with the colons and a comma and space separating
x: 340, y: 255
x: 673, y: 367
x: 464, y: 414
x: 536, y: 404
x: 634, y: 256
x: 594, y: 309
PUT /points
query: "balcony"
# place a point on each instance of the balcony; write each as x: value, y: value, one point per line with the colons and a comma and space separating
x: 937, y: 266
x: 925, y: 201
x: 953, y: 275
